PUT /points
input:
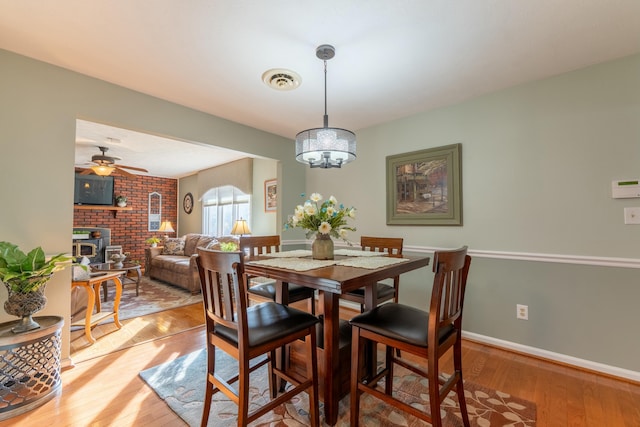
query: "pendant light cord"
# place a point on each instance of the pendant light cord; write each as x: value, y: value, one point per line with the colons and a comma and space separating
x: 326, y: 117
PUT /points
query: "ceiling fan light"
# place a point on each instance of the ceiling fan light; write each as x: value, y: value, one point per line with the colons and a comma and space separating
x: 102, y: 170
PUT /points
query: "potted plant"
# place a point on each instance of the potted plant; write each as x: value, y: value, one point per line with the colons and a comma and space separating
x: 121, y: 201
x: 25, y: 276
x: 153, y: 241
x: 228, y: 246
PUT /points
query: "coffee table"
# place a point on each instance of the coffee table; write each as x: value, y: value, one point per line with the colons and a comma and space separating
x: 127, y: 267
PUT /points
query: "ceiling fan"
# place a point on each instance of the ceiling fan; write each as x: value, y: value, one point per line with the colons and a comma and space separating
x: 106, y: 165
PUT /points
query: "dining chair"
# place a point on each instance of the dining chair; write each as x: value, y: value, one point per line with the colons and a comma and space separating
x: 262, y: 290
x: 426, y: 334
x: 385, y: 292
x: 249, y: 332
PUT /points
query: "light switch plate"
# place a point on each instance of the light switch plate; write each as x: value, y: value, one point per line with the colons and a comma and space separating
x: 632, y: 215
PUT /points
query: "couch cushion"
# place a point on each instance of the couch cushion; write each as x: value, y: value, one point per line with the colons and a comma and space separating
x: 173, y: 246
x: 177, y: 263
x: 204, y: 241
x: 190, y: 243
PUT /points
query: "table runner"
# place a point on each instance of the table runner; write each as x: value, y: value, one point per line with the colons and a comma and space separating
x: 304, y: 264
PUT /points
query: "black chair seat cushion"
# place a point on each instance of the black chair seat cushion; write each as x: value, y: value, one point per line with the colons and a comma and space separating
x: 400, y: 322
x: 269, y: 321
x: 268, y: 290
x: 384, y: 291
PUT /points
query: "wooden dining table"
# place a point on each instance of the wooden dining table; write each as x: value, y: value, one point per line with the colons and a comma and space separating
x: 332, y: 281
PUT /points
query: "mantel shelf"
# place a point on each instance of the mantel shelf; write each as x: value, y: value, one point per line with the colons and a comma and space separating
x: 109, y: 208
x: 115, y: 209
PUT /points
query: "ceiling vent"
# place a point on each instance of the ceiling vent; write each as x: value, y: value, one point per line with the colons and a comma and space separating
x: 281, y: 79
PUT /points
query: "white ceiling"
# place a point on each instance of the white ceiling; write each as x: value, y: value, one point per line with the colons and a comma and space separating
x: 393, y: 58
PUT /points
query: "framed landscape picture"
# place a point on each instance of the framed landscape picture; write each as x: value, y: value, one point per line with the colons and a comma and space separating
x: 425, y: 187
x: 271, y: 195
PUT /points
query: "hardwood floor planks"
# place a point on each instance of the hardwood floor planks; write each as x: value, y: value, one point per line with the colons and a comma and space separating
x: 107, y: 390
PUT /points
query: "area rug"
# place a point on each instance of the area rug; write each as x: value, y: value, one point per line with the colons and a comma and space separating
x: 155, y: 296
x: 180, y: 383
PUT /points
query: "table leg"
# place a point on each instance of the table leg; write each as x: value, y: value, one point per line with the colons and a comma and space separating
x: 138, y: 277
x: 116, y: 301
x: 91, y: 300
x: 282, y: 353
x: 370, y: 350
x: 96, y: 291
x: 330, y: 303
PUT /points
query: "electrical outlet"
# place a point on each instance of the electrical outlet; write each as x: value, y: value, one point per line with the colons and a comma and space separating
x: 522, y: 312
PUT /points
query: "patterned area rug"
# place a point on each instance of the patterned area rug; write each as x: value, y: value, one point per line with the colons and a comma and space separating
x: 154, y: 296
x: 180, y: 383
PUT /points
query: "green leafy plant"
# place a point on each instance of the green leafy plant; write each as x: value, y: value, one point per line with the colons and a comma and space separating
x: 152, y: 240
x: 25, y: 273
x: 228, y: 246
x: 121, y: 199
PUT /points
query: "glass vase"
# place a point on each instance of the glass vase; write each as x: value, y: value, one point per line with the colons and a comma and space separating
x: 322, y: 247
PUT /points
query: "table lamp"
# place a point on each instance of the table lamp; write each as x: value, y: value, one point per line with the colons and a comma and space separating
x: 240, y: 227
x: 166, y: 227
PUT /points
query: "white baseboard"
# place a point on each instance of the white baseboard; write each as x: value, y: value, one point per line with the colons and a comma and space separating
x: 558, y: 357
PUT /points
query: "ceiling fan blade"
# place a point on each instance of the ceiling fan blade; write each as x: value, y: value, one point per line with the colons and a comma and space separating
x: 122, y: 172
x: 86, y: 171
x: 131, y: 167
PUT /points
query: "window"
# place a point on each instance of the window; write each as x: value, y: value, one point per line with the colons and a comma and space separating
x: 155, y: 211
x: 221, y: 207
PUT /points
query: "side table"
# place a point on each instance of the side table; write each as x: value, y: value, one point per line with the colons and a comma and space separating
x: 92, y: 285
x: 127, y: 267
x: 29, y: 366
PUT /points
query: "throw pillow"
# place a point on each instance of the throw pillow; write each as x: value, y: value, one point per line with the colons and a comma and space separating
x: 173, y: 246
x: 213, y: 244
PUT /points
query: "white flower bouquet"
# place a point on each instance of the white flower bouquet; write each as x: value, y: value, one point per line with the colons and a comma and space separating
x: 322, y: 217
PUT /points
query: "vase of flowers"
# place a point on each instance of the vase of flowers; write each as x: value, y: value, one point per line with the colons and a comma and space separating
x: 323, y: 220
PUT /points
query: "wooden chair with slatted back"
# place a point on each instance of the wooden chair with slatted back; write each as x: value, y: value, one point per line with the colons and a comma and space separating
x: 391, y: 245
x: 426, y: 334
x: 246, y: 333
x: 262, y: 290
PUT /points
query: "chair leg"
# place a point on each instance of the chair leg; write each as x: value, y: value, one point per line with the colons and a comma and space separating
x: 243, y: 393
x: 457, y: 367
x: 272, y: 376
x: 356, y: 344
x: 312, y: 372
x: 388, y: 383
x: 208, y: 391
x: 434, y: 391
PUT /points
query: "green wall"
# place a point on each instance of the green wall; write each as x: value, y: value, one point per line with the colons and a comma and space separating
x: 538, y: 161
x: 39, y: 105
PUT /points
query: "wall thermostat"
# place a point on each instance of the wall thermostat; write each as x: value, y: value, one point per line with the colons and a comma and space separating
x: 626, y: 189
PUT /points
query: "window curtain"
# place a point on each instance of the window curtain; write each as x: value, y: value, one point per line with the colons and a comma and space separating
x: 238, y: 173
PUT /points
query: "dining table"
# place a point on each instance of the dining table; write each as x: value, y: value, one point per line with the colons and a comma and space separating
x: 349, y: 270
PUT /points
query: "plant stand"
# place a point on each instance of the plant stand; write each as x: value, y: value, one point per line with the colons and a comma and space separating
x: 29, y: 366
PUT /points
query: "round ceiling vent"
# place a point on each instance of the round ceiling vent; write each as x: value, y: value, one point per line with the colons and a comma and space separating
x: 281, y: 79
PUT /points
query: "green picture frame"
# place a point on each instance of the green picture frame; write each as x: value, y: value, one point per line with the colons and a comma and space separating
x: 425, y: 187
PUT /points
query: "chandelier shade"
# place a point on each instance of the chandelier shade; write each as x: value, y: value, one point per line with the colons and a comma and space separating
x: 325, y: 147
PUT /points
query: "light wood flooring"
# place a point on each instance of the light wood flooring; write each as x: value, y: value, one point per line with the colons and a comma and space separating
x: 107, y: 391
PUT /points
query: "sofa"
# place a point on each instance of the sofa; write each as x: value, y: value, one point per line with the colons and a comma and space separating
x: 174, y: 261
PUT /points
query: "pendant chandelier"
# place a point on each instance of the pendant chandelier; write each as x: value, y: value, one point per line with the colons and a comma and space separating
x: 325, y: 147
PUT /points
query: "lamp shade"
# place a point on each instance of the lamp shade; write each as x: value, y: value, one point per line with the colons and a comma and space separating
x: 166, y: 227
x: 240, y: 227
x: 325, y: 147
